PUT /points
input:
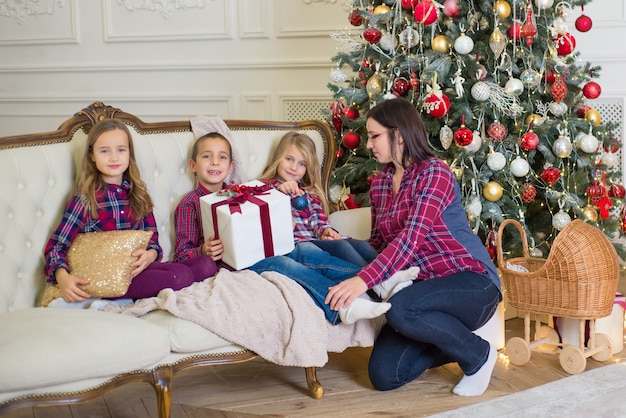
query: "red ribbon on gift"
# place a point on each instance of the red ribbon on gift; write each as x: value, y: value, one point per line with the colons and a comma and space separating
x: 249, y: 194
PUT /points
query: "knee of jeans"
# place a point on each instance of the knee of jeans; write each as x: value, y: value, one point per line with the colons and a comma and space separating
x: 381, y: 379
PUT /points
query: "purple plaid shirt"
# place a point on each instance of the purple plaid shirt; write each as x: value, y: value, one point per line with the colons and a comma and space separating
x: 310, y: 223
x: 188, y: 224
x: 409, y: 229
x: 114, y: 213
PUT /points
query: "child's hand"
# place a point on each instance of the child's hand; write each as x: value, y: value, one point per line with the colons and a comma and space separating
x: 69, y: 286
x: 213, y: 248
x: 144, y: 259
x: 291, y: 188
x: 330, y: 233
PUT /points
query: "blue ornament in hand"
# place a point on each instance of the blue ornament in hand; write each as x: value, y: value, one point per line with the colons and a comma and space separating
x: 299, y: 202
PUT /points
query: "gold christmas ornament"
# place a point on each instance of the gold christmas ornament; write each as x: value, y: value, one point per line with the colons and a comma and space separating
x: 533, y: 118
x: 458, y: 172
x: 441, y: 43
x: 497, y: 42
x: 590, y: 213
x: 381, y: 10
x: 374, y: 85
x: 593, y: 117
x: 492, y: 191
x: 502, y: 9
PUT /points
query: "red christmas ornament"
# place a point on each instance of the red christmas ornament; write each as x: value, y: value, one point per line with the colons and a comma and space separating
x: 400, y: 86
x: 339, y: 153
x: 529, y: 141
x: 622, y: 216
x: 550, y: 174
x: 564, y: 43
x: 583, y: 23
x: 528, y: 29
x: 351, y: 140
x: 372, y: 35
x: 463, y: 136
x: 436, y: 106
x: 550, y: 76
x: 451, y: 8
x: 425, y: 12
x: 371, y: 177
x: 558, y: 89
x: 582, y: 110
x: 355, y: 18
x: 611, y: 146
x: 592, y: 90
x: 527, y: 192
x: 604, y: 205
x: 351, y: 112
x: 415, y: 83
x: 497, y: 131
x: 336, y: 109
x: 514, y: 30
x: 595, y: 190
x: 350, y: 202
x: 617, y: 191
x: 408, y: 4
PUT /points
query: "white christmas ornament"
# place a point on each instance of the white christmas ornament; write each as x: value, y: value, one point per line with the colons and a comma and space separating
x: 560, y: 220
x: 409, y: 37
x: 559, y: 26
x: 446, y: 136
x: 530, y: 78
x: 514, y: 86
x: 476, y: 143
x: 474, y: 207
x: 544, y: 4
x: 588, y: 143
x: 496, y: 161
x: 388, y: 42
x: 463, y: 44
x: 557, y: 108
x: 562, y: 147
x: 519, y: 167
x: 338, y: 76
x: 480, y: 91
x: 610, y: 159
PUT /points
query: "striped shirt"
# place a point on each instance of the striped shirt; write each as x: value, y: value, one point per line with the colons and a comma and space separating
x: 412, y: 228
x: 114, y: 213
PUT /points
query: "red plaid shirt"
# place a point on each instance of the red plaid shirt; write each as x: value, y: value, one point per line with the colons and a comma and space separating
x: 409, y: 229
x: 310, y: 222
x: 114, y: 213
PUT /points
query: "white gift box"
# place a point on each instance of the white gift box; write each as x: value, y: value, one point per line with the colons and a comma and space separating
x: 612, y: 326
x: 254, y: 225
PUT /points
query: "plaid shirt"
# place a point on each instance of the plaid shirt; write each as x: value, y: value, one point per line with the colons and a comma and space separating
x: 409, y: 229
x: 188, y: 224
x: 114, y: 213
x: 310, y: 223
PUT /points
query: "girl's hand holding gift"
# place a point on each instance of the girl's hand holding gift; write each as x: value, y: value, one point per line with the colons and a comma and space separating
x: 291, y: 188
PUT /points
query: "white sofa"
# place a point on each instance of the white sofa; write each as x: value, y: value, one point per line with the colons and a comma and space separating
x: 53, y: 356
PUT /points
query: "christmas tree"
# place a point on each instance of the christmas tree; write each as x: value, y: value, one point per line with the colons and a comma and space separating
x: 505, y: 98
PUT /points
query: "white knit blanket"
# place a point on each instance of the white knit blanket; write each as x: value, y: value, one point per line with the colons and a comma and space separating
x: 269, y: 314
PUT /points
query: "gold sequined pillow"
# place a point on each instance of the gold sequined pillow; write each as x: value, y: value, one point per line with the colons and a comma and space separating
x: 104, y: 258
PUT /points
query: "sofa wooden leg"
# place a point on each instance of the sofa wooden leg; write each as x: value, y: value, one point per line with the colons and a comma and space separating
x: 315, y: 387
x: 162, y: 383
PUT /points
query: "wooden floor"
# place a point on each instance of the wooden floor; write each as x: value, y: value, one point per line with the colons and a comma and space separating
x: 258, y: 388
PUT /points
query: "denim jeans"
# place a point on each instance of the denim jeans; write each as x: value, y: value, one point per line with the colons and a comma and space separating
x: 313, y: 269
x: 355, y: 251
x: 430, y: 323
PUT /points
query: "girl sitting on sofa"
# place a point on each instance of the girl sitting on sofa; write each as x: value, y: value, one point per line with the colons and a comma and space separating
x: 111, y: 196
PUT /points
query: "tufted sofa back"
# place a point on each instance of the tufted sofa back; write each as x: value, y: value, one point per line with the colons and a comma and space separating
x: 39, y: 174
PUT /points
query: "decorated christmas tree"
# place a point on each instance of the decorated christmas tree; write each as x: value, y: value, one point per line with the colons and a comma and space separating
x: 506, y: 100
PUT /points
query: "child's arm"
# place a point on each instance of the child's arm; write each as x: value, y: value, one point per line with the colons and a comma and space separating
x: 292, y: 188
x: 69, y: 286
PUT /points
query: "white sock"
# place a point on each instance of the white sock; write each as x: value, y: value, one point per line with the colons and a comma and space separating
x: 476, y: 384
x: 397, y: 282
x: 362, y: 308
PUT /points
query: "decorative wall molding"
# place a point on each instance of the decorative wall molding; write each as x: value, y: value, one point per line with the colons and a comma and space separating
x: 254, y: 18
x: 165, y: 8
x: 19, y: 10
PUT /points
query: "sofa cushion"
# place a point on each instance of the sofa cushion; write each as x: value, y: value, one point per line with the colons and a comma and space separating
x: 186, y: 336
x: 42, y: 346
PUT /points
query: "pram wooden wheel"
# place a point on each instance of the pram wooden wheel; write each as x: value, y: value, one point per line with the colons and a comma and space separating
x: 572, y: 359
x: 603, y: 340
x: 518, y: 351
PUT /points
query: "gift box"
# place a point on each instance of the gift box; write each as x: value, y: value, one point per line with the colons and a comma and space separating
x: 253, y: 220
x: 612, y: 326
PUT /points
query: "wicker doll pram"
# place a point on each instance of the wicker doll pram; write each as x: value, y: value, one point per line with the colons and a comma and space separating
x: 578, y: 279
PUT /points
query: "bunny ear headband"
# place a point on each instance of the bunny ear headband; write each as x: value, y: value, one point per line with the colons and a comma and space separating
x: 202, y: 125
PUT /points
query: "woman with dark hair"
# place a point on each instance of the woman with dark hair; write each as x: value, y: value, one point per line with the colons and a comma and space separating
x: 418, y: 220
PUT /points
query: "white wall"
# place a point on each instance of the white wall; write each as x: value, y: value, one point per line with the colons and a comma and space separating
x: 252, y: 59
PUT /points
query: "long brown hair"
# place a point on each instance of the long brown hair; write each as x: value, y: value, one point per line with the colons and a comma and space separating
x: 401, y: 115
x: 91, y: 181
x: 312, y: 180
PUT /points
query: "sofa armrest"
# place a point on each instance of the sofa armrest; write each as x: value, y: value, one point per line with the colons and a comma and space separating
x: 355, y: 223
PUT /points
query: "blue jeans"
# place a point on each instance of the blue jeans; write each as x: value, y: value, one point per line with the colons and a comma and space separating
x: 430, y: 323
x: 355, y: 251
x: 313, y: 269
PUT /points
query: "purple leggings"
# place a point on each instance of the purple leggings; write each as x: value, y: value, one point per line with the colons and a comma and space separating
x: 158, y: 276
